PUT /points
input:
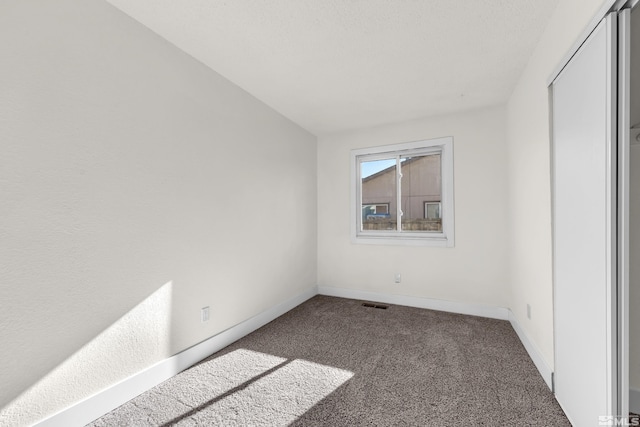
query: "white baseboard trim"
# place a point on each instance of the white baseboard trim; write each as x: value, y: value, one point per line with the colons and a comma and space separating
x: 534, y: 352
x: 106, y: 400
x: 419, y: 302
x: 492, y: 312
x: 634, y: 400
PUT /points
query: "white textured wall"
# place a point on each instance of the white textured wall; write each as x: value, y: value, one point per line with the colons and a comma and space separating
x: 474, y: 270
x: 634, y: 254
x: 529, y: 197
x: 119, y: 173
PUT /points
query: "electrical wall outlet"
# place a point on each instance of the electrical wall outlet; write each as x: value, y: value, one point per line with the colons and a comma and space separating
x: 204, y: 314
x: 528, y: 311
x: 398, y: 278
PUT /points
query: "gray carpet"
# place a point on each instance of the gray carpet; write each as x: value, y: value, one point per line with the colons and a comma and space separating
x: 334, y: 362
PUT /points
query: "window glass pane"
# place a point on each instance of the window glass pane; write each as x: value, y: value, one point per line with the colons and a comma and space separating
x: 432, y: 210
x: 421, y: 183
x: 378, y: 194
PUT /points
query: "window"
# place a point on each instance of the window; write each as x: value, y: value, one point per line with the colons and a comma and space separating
x: 403, y: 193
x: 432, y: 210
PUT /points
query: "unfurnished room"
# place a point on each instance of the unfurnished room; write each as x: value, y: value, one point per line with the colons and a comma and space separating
x: 319, y: 213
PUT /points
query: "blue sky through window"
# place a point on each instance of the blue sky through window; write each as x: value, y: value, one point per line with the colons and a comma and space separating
x: 375, y: 166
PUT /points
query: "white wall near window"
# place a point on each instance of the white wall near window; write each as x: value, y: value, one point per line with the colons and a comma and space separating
x: 475, y: 269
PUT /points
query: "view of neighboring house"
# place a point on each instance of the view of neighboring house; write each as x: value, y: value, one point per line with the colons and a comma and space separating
x: 421, y: 195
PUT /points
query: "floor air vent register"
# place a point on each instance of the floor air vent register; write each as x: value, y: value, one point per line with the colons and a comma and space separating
x: 371, y: 305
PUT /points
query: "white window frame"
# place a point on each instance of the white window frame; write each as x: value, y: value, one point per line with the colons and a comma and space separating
x: 444, y: 146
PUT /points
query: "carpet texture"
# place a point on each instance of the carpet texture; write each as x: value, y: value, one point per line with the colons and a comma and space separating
x: 334, y: 362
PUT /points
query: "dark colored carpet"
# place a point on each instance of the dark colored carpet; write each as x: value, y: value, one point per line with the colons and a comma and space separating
x: 334, y: 362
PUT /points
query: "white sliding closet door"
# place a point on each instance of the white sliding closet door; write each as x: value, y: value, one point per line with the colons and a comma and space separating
x: 584, y: 229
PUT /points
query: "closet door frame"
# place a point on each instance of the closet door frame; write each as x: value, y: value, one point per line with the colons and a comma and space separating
x: 584, y: 105
x: 624, y: 159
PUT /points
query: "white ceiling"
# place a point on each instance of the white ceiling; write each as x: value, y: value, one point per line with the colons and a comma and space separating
x: 332, y: 65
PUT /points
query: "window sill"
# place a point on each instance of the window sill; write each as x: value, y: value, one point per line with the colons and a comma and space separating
x: 431, y: 241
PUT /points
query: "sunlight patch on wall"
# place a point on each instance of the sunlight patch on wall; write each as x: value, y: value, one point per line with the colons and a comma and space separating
x: 136, y: 340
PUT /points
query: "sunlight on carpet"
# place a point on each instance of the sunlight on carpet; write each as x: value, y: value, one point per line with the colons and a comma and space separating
x: 278, y: 398
x: 242, y: 387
